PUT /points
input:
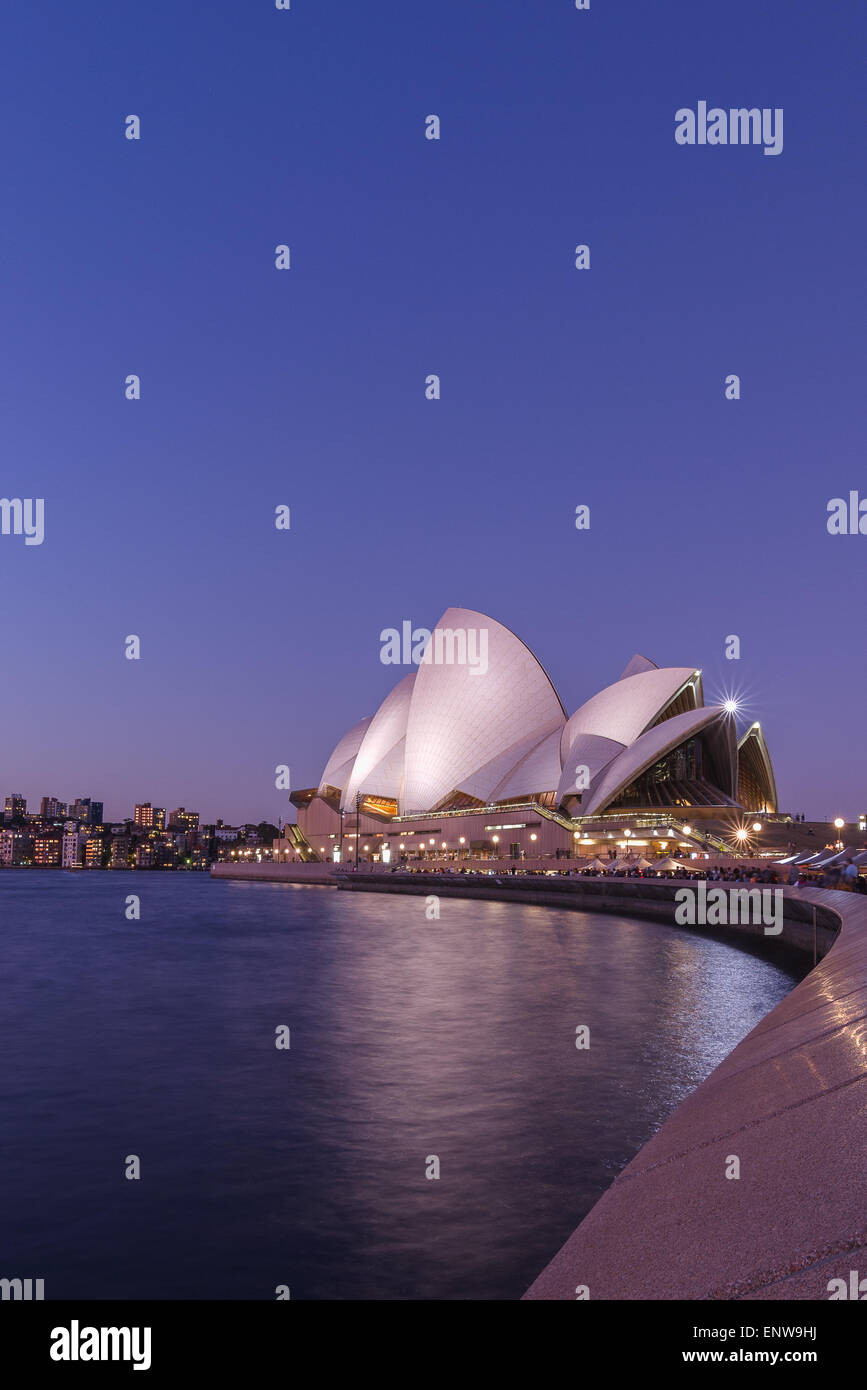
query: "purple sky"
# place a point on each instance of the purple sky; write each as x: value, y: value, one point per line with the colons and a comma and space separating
x: 306, y: 387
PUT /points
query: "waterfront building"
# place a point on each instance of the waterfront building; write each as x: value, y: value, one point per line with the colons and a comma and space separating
x: 46, y: 850
x: 182, y: 819
x: 72, y: 848
x: 93, y: 852
x: 15, y: 808
x: 15, y: 848
x: 150, y: 817
x: 466, y: 759
x: 120, y: 852
x: 226, y: 833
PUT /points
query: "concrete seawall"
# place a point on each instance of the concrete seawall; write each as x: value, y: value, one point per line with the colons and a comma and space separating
x: 307, y: 875
x: 626, y: 897
x: 790, y: 1104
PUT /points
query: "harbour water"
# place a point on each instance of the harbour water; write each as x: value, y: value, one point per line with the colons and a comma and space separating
x: 410, y: 1039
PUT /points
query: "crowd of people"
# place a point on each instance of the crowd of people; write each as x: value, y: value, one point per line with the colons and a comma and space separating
x: 843, y: 875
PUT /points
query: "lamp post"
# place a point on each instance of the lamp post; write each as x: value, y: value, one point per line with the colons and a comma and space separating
x: 357, y: 824
x: 839, y: 824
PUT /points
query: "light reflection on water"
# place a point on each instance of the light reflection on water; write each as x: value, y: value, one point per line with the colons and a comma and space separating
x: 409, y: 1038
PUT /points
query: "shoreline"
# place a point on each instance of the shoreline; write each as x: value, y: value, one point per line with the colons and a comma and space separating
x: 676, y: 1223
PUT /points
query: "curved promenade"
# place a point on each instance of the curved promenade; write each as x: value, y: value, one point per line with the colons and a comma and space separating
x: 789, y: 1103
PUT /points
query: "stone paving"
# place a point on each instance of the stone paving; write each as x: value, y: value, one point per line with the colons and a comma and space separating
x: 790, y: 1104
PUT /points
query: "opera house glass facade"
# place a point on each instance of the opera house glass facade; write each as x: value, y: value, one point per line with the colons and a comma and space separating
x: 470, y: 758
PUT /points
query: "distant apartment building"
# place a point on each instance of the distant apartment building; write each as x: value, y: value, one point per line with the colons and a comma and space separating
x: 120, y: 848
x: 149, y: 817
x: 145, y: 857
x: 93, y: 852
x: 15, y: 808
x: 52, y: 809
x: 46, y: 850
x: 72, y: 848
x: 85, y: 811
x: 226, y: 833
x: 182, y: 819
x: 11, y: 848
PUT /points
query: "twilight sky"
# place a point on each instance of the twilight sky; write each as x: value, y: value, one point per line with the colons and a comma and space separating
x: 410, y: 257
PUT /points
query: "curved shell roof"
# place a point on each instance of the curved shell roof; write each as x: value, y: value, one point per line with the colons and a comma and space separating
x: 624, y: 710
x: 645, y: 750
x: 378, y: 765
x: 460, y: 717
x: 754, y: 732
x: 590, y: 751
x: 637, y: 664
x: 339, y: 765
x: 496, y: 730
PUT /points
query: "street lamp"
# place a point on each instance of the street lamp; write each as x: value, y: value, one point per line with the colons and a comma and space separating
x: 496, y: 840
x: 839, y: 823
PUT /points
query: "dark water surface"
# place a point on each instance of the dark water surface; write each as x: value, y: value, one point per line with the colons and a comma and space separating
x: 306, y: 1167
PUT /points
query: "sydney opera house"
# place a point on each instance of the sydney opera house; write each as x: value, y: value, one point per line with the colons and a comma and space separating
x: 460, y: 761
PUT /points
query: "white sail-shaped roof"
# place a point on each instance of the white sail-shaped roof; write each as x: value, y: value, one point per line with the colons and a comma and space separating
x: 638, y: 664
x: 378, y: 766
x: 339, y: 765
x: 539, y: 771
x: 483, y: 781
x: 589, y: 751
x: 647, y: 749
x: 492, y: 727
x: 625, y: 709
x: 460, y: 718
